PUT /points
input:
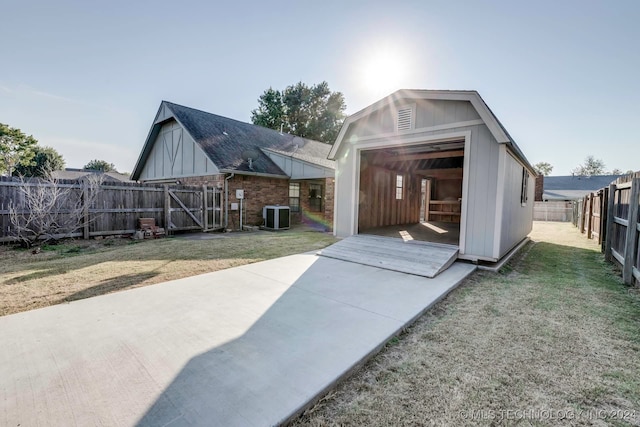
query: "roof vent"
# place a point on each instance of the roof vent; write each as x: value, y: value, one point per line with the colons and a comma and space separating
x: 405, y: 116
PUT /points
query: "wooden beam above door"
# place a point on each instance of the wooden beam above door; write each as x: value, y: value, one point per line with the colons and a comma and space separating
x: 426, y: 156
x: 440, y: 173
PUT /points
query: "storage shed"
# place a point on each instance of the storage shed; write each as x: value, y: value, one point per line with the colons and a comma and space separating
x: 434, y: 166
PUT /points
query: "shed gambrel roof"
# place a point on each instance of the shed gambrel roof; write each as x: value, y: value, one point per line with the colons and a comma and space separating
x: 574, y: 187
x: 228, y: 142
x: 490, y: 120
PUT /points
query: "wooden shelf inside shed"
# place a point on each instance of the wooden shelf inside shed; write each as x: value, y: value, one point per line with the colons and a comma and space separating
x: 444, y: 210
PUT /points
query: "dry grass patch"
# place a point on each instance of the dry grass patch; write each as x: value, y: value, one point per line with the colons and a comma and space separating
x: 80, y: 269
x: 554, y: 335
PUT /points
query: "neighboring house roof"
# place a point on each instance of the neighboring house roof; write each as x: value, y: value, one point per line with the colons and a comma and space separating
x: 76, y: 174
x: 574, y: 187
x: 228, y: 143
x: 491, y: 121
x: 311, y: 153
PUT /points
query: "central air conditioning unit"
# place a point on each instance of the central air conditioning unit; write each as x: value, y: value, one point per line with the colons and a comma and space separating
x: 276, y: 217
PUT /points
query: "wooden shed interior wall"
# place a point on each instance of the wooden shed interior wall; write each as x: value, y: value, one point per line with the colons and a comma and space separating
x: 378, y: 204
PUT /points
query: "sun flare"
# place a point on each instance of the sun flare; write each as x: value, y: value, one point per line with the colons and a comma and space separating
x: 384, y: 72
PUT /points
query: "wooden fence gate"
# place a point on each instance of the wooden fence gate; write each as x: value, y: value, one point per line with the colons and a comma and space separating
x: 193, y: 208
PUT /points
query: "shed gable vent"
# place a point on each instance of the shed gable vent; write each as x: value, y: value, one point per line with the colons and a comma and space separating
x: 405, y: 119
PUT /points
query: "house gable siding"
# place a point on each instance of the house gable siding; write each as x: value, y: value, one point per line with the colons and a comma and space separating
x: 175, y: 154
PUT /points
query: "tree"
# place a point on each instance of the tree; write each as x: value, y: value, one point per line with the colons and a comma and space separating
x: 616, y: 171
x: 591, y: 166
x: 45, y: 160
x: 44, y: 210
x: 310, y: 112
x: 100, y: 165
x: 543, y: 168
x: 16, y: 148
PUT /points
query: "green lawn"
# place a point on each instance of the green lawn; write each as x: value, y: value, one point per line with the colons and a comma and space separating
x: 553, y: 339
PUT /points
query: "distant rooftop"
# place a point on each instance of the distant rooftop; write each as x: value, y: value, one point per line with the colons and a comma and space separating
x: 573, y: 187
x: 75, y: 174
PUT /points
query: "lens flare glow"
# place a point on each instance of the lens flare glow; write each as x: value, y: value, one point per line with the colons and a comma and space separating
x: 384, y: 71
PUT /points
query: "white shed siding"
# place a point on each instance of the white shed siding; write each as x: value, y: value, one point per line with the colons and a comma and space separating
x: 482, y: 176
x: 175, y: 154
x: 429, y: 113
x: 346, y: 201
x: 299, y: 169
x: 516, y: 219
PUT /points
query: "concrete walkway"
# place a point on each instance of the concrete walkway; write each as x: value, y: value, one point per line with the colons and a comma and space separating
x: 246, y: 346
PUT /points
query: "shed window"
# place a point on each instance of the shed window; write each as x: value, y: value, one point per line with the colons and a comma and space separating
x: 405, y: 118
x: 524, y: 196
x: 294, y: 196
x: 399, y: 187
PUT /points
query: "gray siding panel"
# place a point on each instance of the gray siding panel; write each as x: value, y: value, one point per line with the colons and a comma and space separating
x: 516, y: 219
x: 428, y: 113
x: 298, y: 169
x: 345, y: 206
x: 175, y: 154
x: 481, y: 197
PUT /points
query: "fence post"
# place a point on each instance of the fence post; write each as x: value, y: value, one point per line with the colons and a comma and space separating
x: 205, y: 209
x: 604, y: 215
x: 167, y: 209
x: 584, y: 214
x: 631, y: 243
x: 609, y: 236
x: 590, y: 222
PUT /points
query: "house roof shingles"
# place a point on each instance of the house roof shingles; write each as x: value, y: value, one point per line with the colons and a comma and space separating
x: 574, y: 187
x: 229, y: 143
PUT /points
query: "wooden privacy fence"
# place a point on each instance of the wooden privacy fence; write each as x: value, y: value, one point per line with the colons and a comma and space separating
x: 610, y: 216
x: 117, y: 206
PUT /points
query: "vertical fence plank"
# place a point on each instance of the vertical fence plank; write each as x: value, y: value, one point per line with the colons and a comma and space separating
x: 590, y: 222
x: 167, y: 209
x: 85, y: 213
x: 610, y: 223
x: 604, y: 215
x: 631, y: 241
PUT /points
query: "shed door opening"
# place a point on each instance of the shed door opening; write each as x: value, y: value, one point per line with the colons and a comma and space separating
x: 412, y: 192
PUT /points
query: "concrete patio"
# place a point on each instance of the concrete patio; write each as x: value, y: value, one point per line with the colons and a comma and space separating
x: 248, y: 346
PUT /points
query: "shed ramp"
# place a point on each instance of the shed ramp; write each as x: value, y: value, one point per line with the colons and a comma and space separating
x: 410, y: 256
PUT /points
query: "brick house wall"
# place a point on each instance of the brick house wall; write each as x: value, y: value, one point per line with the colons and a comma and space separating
x: 198, y: 181
x: 258, y: 192
x: 261, y: 191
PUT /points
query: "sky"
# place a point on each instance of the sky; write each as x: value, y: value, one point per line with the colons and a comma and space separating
x: 88, y: 77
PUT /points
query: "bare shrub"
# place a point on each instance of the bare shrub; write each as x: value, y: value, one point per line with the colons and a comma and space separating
x: 47, y: 209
